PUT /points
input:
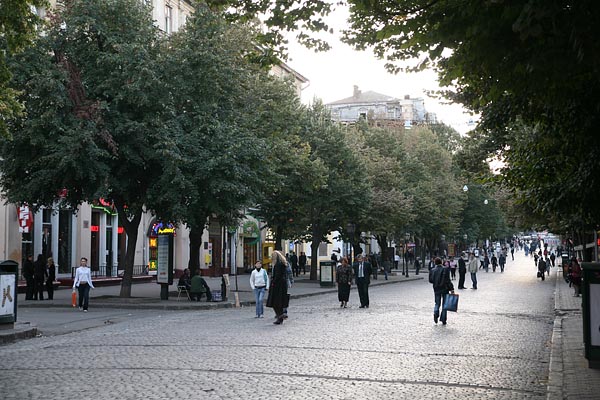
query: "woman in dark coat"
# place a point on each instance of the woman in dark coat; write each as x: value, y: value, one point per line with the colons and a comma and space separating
x: 39, y: 275
x: 51, y: 278
x: 343, y: 278
x: 278, y: 296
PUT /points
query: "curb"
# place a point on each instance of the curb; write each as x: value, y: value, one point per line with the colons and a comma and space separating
x: 18, y: 333
x: 556, y: 368
x: 190, y: 306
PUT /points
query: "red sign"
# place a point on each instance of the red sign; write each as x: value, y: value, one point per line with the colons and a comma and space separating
x: 25, y: 217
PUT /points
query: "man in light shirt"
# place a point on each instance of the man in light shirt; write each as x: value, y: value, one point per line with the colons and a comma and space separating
x: 83, y: 283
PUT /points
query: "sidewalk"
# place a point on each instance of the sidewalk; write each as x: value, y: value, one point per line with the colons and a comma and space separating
x: 147, y: 295
x: 569, y: 375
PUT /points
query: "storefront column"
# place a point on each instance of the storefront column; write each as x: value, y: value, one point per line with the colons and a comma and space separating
x: 102, y: 244
x: 115, y: 244
x: 37, y: 233
x: 74, y: 237
x: 54, y: 235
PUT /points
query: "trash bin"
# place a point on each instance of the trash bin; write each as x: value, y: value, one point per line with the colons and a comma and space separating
x: 9, y: 271
x: 590, y: 290
x: 326, y: 269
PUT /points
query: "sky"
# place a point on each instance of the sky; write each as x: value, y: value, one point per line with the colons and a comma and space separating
x: 333, y: 74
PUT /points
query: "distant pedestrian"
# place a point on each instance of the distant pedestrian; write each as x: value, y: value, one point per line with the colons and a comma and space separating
x: 278, y: 296
x: 486, y: 262
x: 343, y: 278
x: 502, y: 262
x: 362, y: 273
x: 39, y: 276
x: 494, y: 261
x: 302, y: 262
x: 472, y: 266
x: 512, y: 251
x: 552, y: 259
x: 442, y: 285
x: 417, y: 266
x: 575, y: 276
x: 259, y: 282
x: 294, y: 262
x: 51, y: 270
x: 462, y: 271
x: 28, y: 275
x: 452, y: 268
x: 541, y: 266
x: 83, y: 283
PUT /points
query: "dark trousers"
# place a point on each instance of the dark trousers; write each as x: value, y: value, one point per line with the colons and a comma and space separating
x: 84, y: 295
x: 363, y: 291
x: 50, y: 289
x: 278, y: 311
x: 39, y: 289
x: 461, y: 279
x: 296, y: 269
x: 303, y: 269
x: 30, y: 288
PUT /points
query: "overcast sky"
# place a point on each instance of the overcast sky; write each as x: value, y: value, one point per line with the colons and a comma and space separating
x: 333, y: 74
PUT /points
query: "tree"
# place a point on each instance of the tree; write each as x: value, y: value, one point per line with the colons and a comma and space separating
x: 17, y: 30
x: 217, y: 92
x: 96, y: 105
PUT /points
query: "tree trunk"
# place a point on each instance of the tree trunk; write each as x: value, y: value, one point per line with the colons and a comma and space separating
x: 279, y: 237
x: 383, y: 245
x: 131, y: 229
x: 314, y: 250
x: 195, y: 244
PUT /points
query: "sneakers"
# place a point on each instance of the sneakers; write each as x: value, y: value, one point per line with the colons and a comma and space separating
x: 84, y: 310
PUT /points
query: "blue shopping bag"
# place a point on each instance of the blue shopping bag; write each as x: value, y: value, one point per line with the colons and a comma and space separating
x: 451, y: 302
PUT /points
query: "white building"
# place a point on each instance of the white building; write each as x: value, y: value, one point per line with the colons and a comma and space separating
x: 373, y: 106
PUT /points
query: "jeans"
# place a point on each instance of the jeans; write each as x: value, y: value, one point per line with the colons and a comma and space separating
x: 259, y: 295
x: 474, y: 279
x: 440, y: 299
x: 84, y: 295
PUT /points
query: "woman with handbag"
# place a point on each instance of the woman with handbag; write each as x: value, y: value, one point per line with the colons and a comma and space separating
x: 343, y: 278
x: 278, y: 296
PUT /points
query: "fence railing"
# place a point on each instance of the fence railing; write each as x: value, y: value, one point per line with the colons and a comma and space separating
x: 104, y: 271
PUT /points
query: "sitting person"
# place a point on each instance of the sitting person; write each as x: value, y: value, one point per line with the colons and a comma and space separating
x: 184, y: 280
x: 198, y: 288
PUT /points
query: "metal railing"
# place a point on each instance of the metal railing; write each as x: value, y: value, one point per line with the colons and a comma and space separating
x: 104, y: 271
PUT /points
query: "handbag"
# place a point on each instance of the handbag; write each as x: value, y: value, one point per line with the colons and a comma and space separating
x: 451, y: 302
x: 74, y: 298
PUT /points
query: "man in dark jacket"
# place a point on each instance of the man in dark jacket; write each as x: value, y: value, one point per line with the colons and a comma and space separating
x: 362, y: 273
x: 462, y: 271
x: 302, y: 263
x: 39, y: 276
x: 28, y: 275
x: 442, y: 285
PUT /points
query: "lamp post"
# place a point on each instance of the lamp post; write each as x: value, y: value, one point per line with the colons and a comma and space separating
x: 406, y: 239
x: 350, y: 228
x: 465, y: 237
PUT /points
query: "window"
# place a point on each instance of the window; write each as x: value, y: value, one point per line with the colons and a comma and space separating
x: 168, y: 19
x: 322, y: 249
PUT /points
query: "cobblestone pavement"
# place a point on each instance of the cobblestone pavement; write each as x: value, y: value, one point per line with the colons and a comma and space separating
x: 496, y: 346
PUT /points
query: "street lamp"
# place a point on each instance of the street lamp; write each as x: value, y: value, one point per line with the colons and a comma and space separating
x: 465, y: 237
x: 406, y: 239
x: 350, y: 228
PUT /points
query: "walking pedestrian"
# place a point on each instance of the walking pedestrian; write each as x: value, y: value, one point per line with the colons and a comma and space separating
x: 28, y: 275
x: 39, y: 276
x: 302, y: 262
x: 575, y: 276
x: 294, y: 262
x: 362, y: 273
x: 51, y: 271
x: 259, y: 282
x: 486, y: 262
x: 452, y: 268
x: 343, y: 278
x: 462, y: 271
x: 502, y: 262
x: 417, y: 266
x: 278, y: 296
x: 442, y: 285
x: 541, y: 266
x: 512, y: 251
x: 552, y: 258
x: 83, y: 283
x: 472, y: 266
x: 495, y: 262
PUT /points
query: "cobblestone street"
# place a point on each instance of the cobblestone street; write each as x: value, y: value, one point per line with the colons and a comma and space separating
x: 496, y: 346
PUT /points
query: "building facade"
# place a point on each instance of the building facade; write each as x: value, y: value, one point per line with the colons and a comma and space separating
x: 377, y: 107
x: 93, y: 229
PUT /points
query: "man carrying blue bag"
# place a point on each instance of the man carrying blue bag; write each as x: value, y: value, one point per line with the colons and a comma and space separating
x: 442, y: 285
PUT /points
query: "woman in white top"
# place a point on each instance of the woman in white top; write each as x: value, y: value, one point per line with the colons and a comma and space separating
x: 83, y: 282
x: 259, y: 282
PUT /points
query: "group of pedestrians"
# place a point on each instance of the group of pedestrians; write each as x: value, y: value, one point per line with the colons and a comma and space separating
x: 360, y: 273
x: 39, y: 275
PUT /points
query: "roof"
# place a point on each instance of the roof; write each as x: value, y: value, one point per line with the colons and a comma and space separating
x: 366, y: 97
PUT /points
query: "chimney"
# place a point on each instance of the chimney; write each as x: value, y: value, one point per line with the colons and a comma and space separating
x: 356, y: 92
x: 407, y: 97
